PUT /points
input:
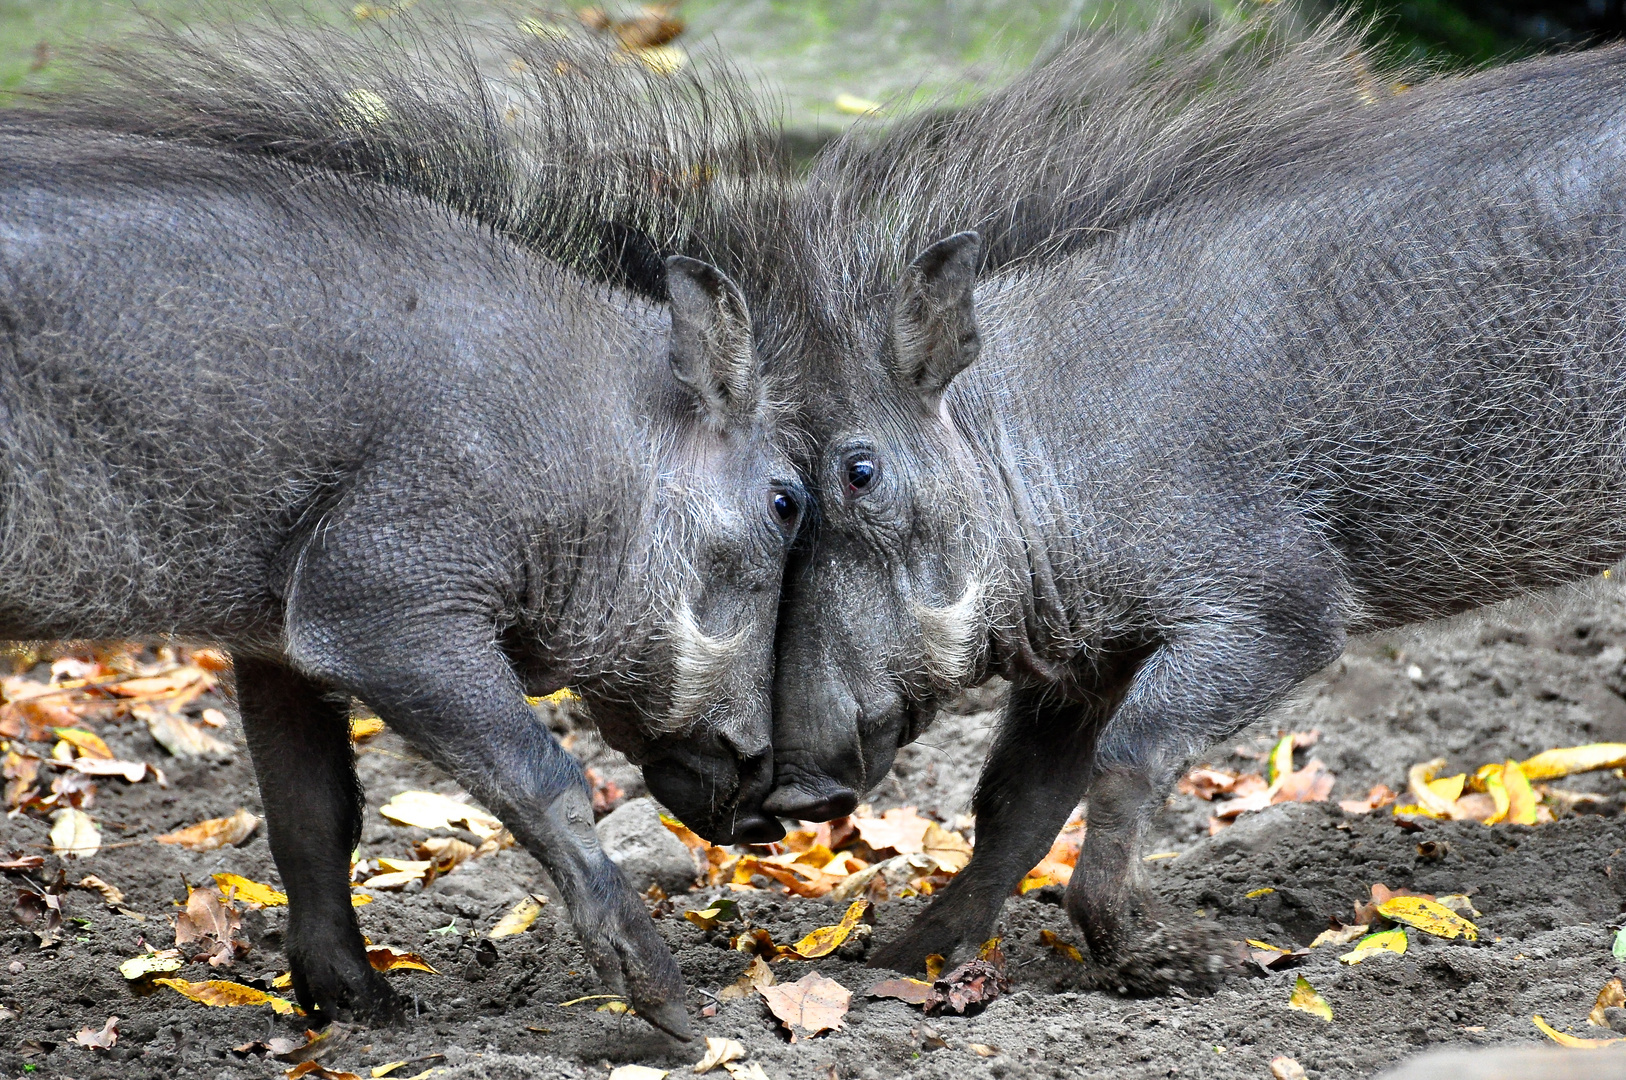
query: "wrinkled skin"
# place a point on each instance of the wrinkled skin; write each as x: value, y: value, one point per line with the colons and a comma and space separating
x: 376, y: 452
x: 1180, y: 467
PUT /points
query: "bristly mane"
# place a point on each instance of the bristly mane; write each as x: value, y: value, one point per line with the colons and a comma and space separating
x: 1115, y: 127
x: 571, y: 148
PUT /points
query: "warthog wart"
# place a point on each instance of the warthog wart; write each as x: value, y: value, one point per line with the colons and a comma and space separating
x: 283, y: 370
x: 1267, y: 348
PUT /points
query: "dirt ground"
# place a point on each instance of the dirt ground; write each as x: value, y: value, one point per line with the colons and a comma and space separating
x: 1505, y: 684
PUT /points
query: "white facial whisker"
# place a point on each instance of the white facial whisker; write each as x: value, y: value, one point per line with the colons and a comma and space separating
x: 702, y: 665
x: 949, y: 636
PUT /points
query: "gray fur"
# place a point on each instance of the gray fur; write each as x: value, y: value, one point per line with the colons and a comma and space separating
x: 1269, y: 354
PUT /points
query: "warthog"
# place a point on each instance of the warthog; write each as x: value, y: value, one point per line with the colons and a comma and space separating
x: 339, y: 422
x: 1266, y: 350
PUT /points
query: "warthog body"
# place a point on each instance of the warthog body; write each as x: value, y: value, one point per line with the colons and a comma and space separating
x: 1246, y: 385
x: 377, y: 450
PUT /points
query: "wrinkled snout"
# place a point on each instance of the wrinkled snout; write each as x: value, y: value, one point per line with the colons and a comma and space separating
x: 716, y: 788
x: 829, y: 749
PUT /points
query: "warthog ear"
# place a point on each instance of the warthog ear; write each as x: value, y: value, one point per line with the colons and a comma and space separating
x: 711, y: 338
x: 934, y: 329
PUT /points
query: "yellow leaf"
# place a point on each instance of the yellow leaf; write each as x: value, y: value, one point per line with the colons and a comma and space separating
x: 1428, y: 916
x: 427, y: 810
x: 519, y: 917
x: 857, y: 106
x: 74, y: 833
x: 383, y: 958
x: 1552, y: 764
x: 380, y: 1071
x: 365, y: 727
x: 589, y: 997
x: 949, y: 848
x: 250, y: 892
x: 826, y: 939
x: 1449, y: 789
x: 1061, y: 947
x: 222, y: 994
x: 989, y: 948
x: 1432, y: 802
x: 1280, y: 762
x: 1612, y: 996
x: 1384, y: 941
x: 934, y: 966
x: 1343, y: 935
x: 1256, y: 943
x: 719, y: 1052
x: 1491, y: 777
x: 86, y: 743
x: 283, y: 981
x: 1521, y: 800
x: 614, y: 1007
x: 358, y: 899
x: 152, y: 963
x: 1570, y: 1040
x: 213, y: 833
x: 1257, y: 893
x: 1305, y: 999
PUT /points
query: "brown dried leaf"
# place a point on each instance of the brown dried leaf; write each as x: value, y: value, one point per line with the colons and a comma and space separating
x: 757, y: 974
x: 104, y: 1039
x: 182, y: 738
x: 208, y: 929
x: 1380, y: 796
x: 900, y: 830
x: 132, y: 772
x: 912, y: 991
x: 110, y: 893
x: 214, y: 833
x: 384, y: 958
x: 809, y: 1006
x: 971, y: 986
x: 950, y: 849
x: 1612, y: 996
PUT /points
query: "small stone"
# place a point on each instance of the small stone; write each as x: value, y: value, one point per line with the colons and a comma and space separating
x: 647, y: 852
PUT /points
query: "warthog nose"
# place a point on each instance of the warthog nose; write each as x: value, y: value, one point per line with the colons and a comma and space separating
x: 758, y: 829
x: 804, y: 805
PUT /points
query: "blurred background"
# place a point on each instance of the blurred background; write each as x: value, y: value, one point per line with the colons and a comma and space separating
x: 830, y: 62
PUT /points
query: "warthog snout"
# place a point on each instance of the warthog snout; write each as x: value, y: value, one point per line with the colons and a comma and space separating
x: 716, y: 788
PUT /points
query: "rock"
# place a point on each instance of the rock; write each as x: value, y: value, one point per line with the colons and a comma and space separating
x: 647, y: 851
x: 1511, y: 1063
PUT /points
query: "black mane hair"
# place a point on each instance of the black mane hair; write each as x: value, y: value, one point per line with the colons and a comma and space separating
x: 573, y: 148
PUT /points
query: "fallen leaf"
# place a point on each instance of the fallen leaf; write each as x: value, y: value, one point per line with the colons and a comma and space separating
x: 110, y: 894
x: 209, y: 926
x: 178, y: 735
x: 398, y: 873
x: 1279, y: 762
x: 809, y: 1006
x: 1257, y: 893
x: 214, y: 833
x: 900, y: 830
x: 1056, y: 868
x: 1283, y: 1067
x: 519, y: 917
x: 253, y: 893
x: 719, y: 1052
x: 637, y: 1072
x: 383, y: 958
x: 723, y: 911
x: 132, y: 772
x: 1521, y: 800
x: 104, y: 1039
x: 1612, y: 996
x: 1367, y: 912
x: 1552, y: 764
x: 87, y: 743
x: 972, y: 985
x: 1429, y: 803
x: 428, y: 810
x: 1570, y: 1040
x: 222, y: 994
x: 1305, y: 999
x: 617, y: 1006
x: 756, y: 974
x: 1206, y: 782
x: 913, y: 991
x: 1340, y: 935
x: 152, y: 963
x: 1062, y: 948
x: 748, y: 1070
x: 19, y: 863
x: 934, y: 964
x: 826, y: 939
x: 318, y: 1071
x: 1428, y: 916
x: 40, y: 912
x: 1384, y: 941
x: 74, y: 834
x: 365, y: 727
x: 1380, y: 796
x: 982, y: 1049
x: 949, y: 848
x: 1460, y: 904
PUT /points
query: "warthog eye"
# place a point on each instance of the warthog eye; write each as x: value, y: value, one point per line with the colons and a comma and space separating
x: 784, y: 507
x: 862, y: 470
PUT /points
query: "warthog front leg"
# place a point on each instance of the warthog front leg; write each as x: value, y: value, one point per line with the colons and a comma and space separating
x: 1036, y: 772
x: 299, y: 737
